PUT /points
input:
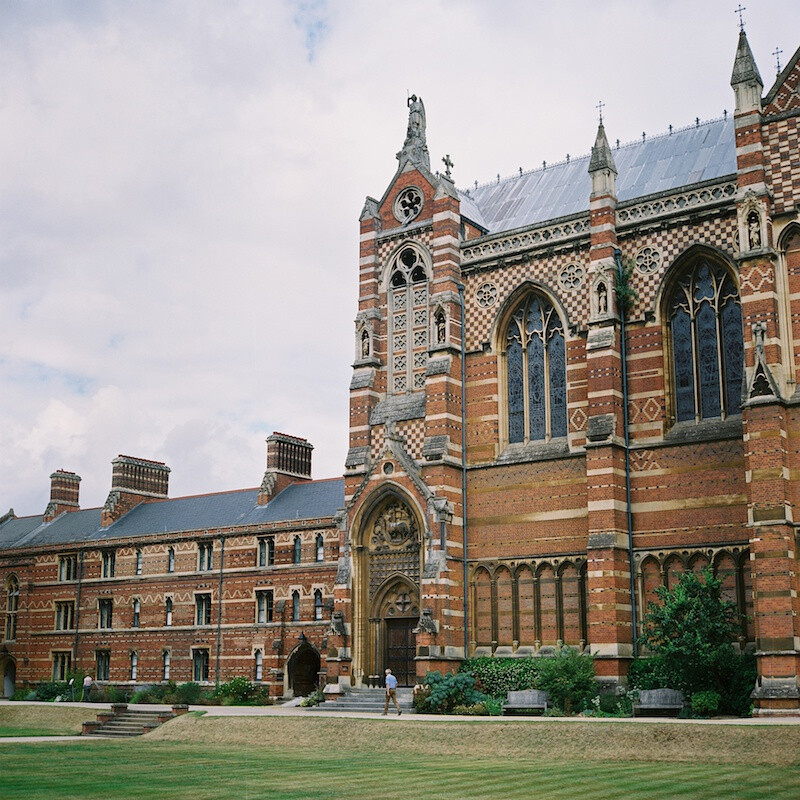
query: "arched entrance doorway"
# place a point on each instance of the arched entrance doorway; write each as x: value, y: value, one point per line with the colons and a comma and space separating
x: 9, y: 670
x: 394, y: 616
x: 388, y: 566
x: 302, y: 668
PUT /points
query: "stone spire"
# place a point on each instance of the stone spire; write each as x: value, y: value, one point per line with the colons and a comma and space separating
x: 745, y: 78
x: 601, y: 165
x: 415, y: 148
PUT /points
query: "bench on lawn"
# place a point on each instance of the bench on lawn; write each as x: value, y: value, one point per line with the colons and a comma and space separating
x: 658, y: 702
x: 526, y: 700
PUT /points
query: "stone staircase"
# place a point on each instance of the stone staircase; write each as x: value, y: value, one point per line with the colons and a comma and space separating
x: 368, y: 701
x: 122, y: 721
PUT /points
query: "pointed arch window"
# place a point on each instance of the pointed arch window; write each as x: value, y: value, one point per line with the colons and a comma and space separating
x: 297, y: 551
x: 536, y: 372
x: 705, y: 321
x: 408, y: 334
x: 12, y: 604
x: 317, y: 604
x: 320, y: 547
x: 259, y: 658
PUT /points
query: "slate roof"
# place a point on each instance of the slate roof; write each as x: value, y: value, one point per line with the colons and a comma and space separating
x: 691, y: 155
x: 299, y: 501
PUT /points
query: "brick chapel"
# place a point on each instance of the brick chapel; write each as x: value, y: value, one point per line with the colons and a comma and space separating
x: 569, y: 386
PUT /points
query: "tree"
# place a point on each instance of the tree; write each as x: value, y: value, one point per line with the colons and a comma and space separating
x: 692, y: 632
x: 568, y: 679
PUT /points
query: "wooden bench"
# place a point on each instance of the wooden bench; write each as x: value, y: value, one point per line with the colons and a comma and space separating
x: 525, y: 700
x: 658, y: 702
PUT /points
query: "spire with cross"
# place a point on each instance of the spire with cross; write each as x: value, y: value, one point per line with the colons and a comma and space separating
x: 739, y: 11
x: 600, y: 106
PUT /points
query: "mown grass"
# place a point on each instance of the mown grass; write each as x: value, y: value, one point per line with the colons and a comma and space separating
x: 55, y: 720
x: 327, y: 759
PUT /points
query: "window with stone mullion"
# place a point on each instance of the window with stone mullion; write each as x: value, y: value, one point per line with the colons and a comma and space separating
x: 408, y: 337
x: 536, y: 373
x: 707, y: 348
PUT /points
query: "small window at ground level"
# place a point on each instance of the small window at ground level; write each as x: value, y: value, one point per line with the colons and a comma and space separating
x: 103, y: 664
x: 200, y: 665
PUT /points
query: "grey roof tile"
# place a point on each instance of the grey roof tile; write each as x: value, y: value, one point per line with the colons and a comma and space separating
x: 313, y: 500
x: 663, y: 163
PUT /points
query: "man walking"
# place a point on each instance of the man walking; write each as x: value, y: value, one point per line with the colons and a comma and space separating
x: 391, y: 693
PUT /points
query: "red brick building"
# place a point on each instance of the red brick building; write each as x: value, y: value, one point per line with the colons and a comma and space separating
x: 598, y: 454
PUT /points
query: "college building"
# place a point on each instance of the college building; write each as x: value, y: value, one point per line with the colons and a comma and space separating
x: 569, y: 386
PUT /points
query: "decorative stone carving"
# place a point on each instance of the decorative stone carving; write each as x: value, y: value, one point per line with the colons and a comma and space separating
x: 408, y: 204
x: 426, y: 622
x: 486, y: 295
x: 415, y: 148
x: 337, y: 627
x: 754, y: 230
x: 648, y: 260
x: 394, y: 528
x: 571, y: 277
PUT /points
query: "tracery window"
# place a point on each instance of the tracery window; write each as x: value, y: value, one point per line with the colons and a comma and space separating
x: 536, y: 375
x: 12, y: 605
x: 408, y: 335
x: 705, y: 319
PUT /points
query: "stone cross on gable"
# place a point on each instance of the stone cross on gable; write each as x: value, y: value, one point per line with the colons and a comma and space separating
x: 777, y: 53
x: 739, y: 12
x: 448, y: 165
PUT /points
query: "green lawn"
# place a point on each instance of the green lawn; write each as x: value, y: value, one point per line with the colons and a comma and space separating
x: 365, y: 759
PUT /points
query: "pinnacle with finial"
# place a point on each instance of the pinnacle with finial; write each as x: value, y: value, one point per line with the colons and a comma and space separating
x: 740, y: 11
x: 777, y: 53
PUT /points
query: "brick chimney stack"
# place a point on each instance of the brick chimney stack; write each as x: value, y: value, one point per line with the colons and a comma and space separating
x: 288, y: 461
x: 64, y: 488
x: 134, y: 481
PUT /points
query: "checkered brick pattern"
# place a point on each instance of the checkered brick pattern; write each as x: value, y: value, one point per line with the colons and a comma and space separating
x: 671, y: 242
x: 377, y: 441
x: 788, y: 97
x: 413, y: 431
x: 388, y: 246
x: 783, y: 163
x: 540, y: 269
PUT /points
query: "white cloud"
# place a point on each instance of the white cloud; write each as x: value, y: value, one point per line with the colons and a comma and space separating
x: 180, y: 184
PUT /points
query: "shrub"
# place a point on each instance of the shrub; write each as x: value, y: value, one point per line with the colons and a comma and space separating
x: 188, y: 693
x: 568, y: 679
x: 691, y: 636
x: 444, y: 692
x: 237, y: 690
x: 49, y: 690
x: 499, y: 676
x: 477, y: 710
x: 315, y: 698
x: 705, y: 704
x: 648, y: 673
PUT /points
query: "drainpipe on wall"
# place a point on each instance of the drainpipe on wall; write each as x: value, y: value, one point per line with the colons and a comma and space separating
x: 219, y: 610
x: 464, y: 462
x: 624, y: 357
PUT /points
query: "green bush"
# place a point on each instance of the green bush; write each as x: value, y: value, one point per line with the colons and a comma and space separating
x: 499, y: 676
x: 691, y: 637
x: 314, y: 699
x: 705, y: 704
x: 444, y: 692
x: 47, y: 691
x: 237, y: 690
x: 188, y: 693
x: 477, y: 710
x: 648, y: 673
x: 568, y: 679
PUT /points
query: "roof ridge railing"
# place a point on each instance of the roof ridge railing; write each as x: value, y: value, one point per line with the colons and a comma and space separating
x: 698, y: 123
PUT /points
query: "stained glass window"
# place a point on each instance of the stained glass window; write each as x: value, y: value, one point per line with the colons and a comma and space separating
x: 536, y: 373
x: 705, y: 319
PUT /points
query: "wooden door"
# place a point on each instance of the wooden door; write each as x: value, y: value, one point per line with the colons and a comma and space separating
x: 401, y: 650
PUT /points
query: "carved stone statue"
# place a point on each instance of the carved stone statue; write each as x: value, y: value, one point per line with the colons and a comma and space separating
x: 602, y: 299
x: 416, y: 118
x: 440, y: 328
x: 753, y: 231
x: 393, y: 528
x: 365, y: 344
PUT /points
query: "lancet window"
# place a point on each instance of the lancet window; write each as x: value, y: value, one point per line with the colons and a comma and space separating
x: 536, y: 375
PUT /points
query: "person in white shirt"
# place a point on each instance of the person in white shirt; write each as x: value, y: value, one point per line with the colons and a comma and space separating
x: 391, y: 693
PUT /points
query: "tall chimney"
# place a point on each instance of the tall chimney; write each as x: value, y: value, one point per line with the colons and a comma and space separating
x: 288, y: 461
x: 134, y: 481
x: 64, y: 488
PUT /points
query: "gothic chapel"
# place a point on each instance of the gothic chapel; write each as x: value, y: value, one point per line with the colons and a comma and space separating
x: 569, y: 387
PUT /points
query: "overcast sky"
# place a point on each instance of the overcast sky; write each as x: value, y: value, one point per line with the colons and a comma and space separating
x: 181, y: 181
